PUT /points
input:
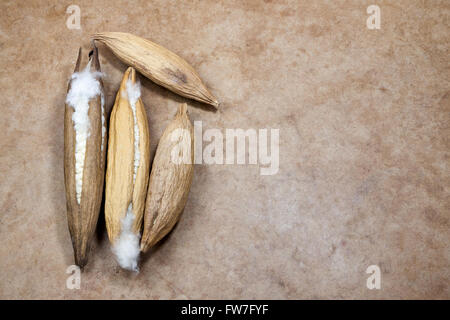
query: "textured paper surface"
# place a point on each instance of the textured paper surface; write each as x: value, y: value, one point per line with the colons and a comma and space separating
x: 364, y: 150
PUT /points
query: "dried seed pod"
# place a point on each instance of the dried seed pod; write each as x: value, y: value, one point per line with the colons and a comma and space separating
x: 127, y: 172
x: 84, y: 153
x: 170, y: 179
x: 158, y: 64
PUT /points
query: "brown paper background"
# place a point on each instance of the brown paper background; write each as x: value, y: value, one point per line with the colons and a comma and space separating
x: 364, y: 149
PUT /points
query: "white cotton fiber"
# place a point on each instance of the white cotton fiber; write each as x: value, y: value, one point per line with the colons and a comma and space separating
x: 134, y: 93
x: 126, y: 247
x: 103, y: 119
x: 84, y: 86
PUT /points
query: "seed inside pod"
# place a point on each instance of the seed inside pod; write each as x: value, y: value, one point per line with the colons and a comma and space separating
x: 127, y: 172
x: 84, y: 153
x: 84, y: 87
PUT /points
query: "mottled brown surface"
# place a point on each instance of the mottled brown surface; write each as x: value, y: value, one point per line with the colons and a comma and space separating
x: 364, y: 149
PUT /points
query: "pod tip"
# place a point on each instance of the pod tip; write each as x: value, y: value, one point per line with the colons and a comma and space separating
x: 131, y: 74
x: 215, y: 103
x: 77, y: 64
x: 182, y: 110
x: 80, y: 261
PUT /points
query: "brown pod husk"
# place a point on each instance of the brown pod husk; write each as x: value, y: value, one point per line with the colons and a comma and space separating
x: 170, y: 179
x: 85, y: 165
x: 127, y: 171
x: 158, y: 64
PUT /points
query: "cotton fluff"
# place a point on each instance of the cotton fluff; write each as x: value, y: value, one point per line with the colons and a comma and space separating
x: 126, y: 247
x: 134, y: 93
x: 103, y: 119
x: 84, y: 86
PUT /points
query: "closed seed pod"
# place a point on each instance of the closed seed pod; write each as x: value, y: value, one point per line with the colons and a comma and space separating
x: 127, y: 172
x: 170, y: 179
x: 158, y: 64
x: 84, y: 153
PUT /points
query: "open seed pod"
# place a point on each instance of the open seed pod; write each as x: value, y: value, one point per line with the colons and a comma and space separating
x: 84, y: 152
x: 170, y: 179
x: 158, y: 64
x: 127, y: 173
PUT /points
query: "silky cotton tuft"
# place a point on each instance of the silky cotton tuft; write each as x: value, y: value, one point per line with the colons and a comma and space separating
x: 134, y: 93
x: 84, y: 86
x: 126, y: 249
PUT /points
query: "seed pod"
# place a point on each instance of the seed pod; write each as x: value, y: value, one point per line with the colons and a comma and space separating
x: 170, y: 179
x: 84, y: 153
x: 127, y: 171
x: 158, y: 64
